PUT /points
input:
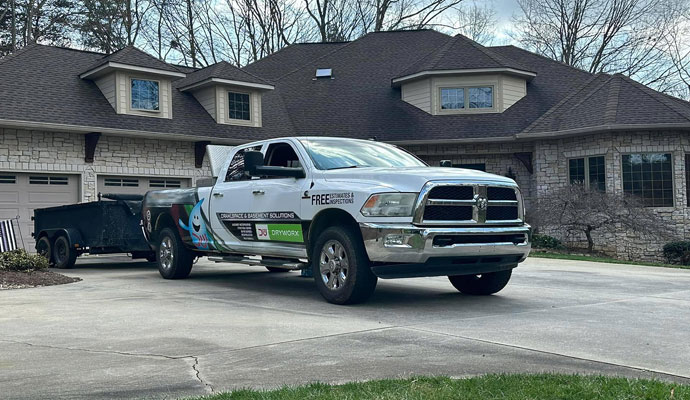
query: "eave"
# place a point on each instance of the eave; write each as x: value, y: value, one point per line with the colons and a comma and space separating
x: 111, y: 66
x: 422, y: 74
x: 229, y: 82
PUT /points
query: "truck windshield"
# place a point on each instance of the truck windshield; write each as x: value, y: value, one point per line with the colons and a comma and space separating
x: 336, y: 154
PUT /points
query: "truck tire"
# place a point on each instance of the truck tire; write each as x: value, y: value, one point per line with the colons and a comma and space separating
x: 45, y: 249
x: 483, y: 284
x: 64, y: 256
x: 174, y: 260
x: 342, y: 271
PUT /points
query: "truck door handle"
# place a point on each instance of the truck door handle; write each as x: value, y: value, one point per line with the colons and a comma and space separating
x: 258, y: 192
x: 218, y: 194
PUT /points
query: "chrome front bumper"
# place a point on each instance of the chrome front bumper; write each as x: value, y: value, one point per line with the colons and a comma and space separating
x: 410, y: 244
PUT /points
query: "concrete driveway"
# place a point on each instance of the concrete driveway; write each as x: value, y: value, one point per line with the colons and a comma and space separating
x: 124, y: 332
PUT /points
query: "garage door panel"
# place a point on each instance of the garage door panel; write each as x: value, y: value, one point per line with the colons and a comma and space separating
x: 21, y: 194
x: 138, y: 184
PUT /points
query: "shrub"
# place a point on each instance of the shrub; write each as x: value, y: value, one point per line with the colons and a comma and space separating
x: 20, y: 260
x: 677, y: 252
x: 546, y: 242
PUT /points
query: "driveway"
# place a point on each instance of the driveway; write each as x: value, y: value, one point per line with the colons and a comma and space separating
x: 125, y: 332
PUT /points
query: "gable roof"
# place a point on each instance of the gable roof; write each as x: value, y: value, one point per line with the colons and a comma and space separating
x: 459, y: 53
x: 131, y: 56
x: 611, y: 102
x: 290, y: 58
x: 225, y: 72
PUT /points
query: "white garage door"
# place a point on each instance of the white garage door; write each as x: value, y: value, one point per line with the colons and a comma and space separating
x: 21, y: 193
x: 137, y: 184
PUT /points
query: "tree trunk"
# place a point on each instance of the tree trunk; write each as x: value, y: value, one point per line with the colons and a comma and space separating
x: 192, y: 40
x: 590, y: 241
x: 14, y: 25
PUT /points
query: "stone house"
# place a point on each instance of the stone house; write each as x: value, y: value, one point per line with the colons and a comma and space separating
x: 76, y: 123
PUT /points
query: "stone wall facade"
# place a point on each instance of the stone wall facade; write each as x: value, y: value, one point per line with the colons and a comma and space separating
x: 39, y: 151
x: 550, y: 171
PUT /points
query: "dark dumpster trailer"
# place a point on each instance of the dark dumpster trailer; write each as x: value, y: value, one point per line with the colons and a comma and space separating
x: 110, y: 225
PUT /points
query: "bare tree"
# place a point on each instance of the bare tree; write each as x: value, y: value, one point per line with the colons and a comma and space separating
x: 477, y: 22
x: 578, y: 210
x: 613, y: 36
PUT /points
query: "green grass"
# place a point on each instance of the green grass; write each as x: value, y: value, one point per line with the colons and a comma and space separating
x: 498, y: 387
x: 579, y: 257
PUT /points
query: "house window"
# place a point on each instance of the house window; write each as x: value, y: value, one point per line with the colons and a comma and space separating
x: 48, y: 180
x: 165, y: 183
x: 477, y: 166
x: 481, y: 97
x: 8, y: 179
x: 452, y: 98
x: 145, y: 95
x: 588, y: 171
x: 121, y: 182
x: 238, y: 106
x: 649, y: 176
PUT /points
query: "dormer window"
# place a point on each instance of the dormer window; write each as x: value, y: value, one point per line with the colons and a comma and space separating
x: 480, y: 97
x: 238, y: 106
x: 452, y: 98
x: 145, y: 95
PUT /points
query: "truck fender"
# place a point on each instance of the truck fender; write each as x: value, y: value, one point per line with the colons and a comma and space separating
x: 73, y: 236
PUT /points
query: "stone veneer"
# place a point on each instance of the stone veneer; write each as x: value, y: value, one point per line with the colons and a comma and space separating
x: 38, y: 151
x: 550, y: 162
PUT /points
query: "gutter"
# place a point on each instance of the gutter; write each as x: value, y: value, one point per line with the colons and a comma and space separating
x: 49, y: 126
x: 602, y: 129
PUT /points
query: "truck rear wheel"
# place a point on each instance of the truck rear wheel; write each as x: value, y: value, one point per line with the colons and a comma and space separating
x: 174, y: 260
x: 341, y: 268
x: 482, y: 284
x: 44, y: 248
x: 64, y: 256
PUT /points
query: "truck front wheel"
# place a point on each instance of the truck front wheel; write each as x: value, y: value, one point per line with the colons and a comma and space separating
x: 341, y: 268
x: 174, y: 260
x: 483, y: 284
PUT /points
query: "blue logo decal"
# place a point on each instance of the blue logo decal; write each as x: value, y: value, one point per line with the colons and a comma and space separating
x: 197, y: 228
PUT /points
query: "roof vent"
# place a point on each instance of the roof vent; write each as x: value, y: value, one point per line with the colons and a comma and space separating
x: 324, y: 73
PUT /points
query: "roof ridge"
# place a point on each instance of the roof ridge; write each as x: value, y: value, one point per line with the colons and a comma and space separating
x: 445, y: 45
x: 17, y: 52
x: 546, y: 58
x: 558, y: 105
x: 496, y: 57
x: 655, y: 95
x: 612, y: 101
x: 318, y: 58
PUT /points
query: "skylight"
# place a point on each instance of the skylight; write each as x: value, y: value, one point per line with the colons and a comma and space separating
x: 324, y: 72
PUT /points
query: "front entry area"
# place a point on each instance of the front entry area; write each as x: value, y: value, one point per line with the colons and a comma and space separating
x: 21, y: 193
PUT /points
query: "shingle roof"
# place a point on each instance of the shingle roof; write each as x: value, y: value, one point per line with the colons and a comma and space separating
x: 130, y: 55
x: 359, y: 102
x: 610, y: 101
x: 221, y: 70
x: 34, y: 90
x: 458, y: 53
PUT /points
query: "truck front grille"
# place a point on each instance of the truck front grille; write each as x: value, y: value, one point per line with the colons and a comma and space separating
x: 447, y: 203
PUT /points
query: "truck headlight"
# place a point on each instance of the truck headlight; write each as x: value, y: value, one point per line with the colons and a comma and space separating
x: 389, y: 205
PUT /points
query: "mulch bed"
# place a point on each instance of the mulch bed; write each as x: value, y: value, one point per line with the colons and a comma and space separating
x: 20, y: 280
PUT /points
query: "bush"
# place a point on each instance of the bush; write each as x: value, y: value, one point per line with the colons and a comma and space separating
x: 20, y: 260
x: 546, y: 242
x: 677, y: 252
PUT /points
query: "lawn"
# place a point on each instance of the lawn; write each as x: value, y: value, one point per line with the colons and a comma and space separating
x: 580, y: 257
x: 499, y: 387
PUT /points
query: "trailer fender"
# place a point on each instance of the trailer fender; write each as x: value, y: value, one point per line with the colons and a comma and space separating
x: 73, y: 236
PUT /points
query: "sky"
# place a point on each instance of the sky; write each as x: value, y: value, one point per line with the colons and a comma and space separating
x: 504, y: 12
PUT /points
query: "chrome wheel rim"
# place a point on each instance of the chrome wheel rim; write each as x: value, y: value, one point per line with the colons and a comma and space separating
x: 333, y: 265
x: 165, y: 253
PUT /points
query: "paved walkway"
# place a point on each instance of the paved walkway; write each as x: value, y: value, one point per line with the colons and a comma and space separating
x: 124, y: 332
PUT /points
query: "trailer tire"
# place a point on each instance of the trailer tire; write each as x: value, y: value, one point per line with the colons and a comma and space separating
x: 174, y: 260
x: 45, y: 248
x: 342, y: 271
x: 64, y: 255
x: 483, y: 284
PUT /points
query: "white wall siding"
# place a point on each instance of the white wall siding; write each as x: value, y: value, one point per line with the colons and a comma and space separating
x: 207, y: 98
x: 106, y: 84
x: 513, y: 90
x: 418, y: 94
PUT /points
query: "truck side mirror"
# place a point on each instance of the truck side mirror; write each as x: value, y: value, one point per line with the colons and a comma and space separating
x: 446, y: 163
x: 252, y: 160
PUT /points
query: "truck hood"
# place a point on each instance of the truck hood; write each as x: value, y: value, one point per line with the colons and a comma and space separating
x: 410, y: 179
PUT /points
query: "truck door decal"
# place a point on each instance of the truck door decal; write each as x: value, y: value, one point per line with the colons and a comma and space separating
x: 278, y: 226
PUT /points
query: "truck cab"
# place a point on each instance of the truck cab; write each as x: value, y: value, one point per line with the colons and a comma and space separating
x: 351, y: 210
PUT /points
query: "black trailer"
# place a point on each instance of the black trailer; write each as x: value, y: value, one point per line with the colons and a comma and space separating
x: 110, y: 225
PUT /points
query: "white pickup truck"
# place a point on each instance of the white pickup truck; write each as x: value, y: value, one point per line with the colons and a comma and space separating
x: 351, y: 210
